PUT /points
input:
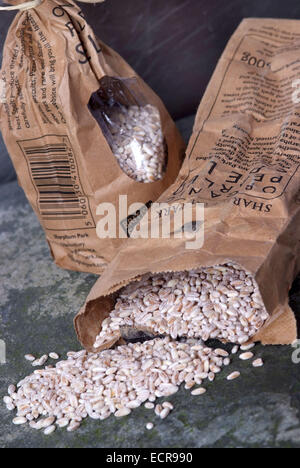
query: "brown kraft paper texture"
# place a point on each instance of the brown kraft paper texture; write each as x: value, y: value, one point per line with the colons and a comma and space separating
x: 243, y: 163
x: 52, y: 66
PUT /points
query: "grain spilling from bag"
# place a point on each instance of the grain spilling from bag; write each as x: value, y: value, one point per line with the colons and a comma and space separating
x: 19, y: 421
x: 11, y: 390
x: 167, y: 404
x: 49, y: 430
x: 41, y: 361
x: 222, y: 302
x: 198, y: 391
x: 246, y: 356
x: 111, y: 382
x: 247, y: 347
x: 233, y: 375
x: 29, y: 357
x: 7, y: 400
x: 164, y: 413
x: 54, y: 356
x: 114, y: 382
x: 149, y: 405
x: 258, y: 363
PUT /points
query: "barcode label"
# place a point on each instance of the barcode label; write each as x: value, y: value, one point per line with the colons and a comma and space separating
x: 61, y: 201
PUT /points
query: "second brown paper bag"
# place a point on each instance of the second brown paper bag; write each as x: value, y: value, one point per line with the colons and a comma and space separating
x: 243, y: 164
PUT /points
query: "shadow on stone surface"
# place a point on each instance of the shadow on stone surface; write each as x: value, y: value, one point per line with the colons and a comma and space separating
x: 37, y: 305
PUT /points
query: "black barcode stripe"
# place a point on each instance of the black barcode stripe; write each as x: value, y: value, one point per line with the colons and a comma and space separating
x: 45, y: 150
x: 57, y: 200
x: 63, y: 213
x: 47, y: 145
x: 47, y: 206
x: 54, y: 185
x: 44, y: 192
x: 66, y: 218
x: 54, y: 157
x: 52, y: 174
x: 57, y: 161
x: 51, y: 177
x: 54, y: 205
x: 51, y: 168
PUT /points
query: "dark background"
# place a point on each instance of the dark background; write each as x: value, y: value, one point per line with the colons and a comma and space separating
x: 173, y: 44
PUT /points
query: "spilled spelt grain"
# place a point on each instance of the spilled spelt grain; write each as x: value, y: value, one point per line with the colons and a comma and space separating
x: 222, y: 302
x: 114, y: 381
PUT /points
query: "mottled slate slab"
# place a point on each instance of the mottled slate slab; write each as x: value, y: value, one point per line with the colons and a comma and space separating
x: 37, y: 305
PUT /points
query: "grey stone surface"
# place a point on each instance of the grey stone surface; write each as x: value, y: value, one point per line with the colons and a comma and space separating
x: 37, y: 305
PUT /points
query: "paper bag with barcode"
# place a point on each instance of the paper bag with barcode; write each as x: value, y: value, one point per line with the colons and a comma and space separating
x: 79, y: 125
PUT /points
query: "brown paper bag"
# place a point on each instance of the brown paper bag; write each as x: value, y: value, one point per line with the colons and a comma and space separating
x: 243, y: 164
x: 65, y: 99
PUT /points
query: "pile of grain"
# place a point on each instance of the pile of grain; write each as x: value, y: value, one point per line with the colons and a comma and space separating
x: 222, y: 302
x: 114, y: 381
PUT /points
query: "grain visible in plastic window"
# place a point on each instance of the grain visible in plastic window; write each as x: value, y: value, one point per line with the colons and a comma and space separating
x: 132, y: 127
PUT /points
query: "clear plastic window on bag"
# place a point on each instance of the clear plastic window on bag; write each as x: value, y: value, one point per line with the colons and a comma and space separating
x: 132, y: 128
